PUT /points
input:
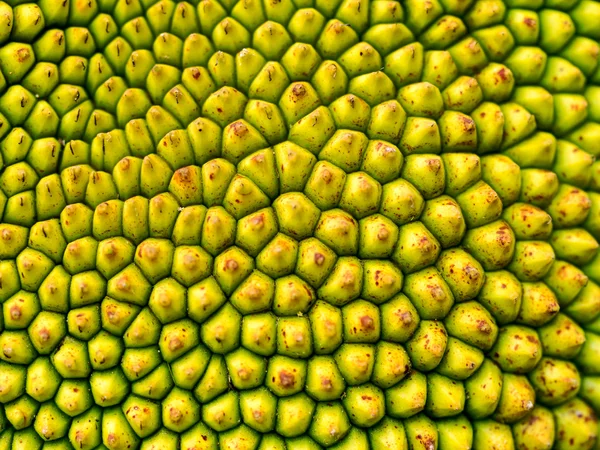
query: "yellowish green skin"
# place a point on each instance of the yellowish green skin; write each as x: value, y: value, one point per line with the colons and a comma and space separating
x: 299, y: 224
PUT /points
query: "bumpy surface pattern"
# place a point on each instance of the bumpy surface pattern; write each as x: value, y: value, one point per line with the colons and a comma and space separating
x: 299, y: 224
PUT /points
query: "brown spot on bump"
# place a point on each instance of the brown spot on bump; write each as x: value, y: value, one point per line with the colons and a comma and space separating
x: 286, y: 379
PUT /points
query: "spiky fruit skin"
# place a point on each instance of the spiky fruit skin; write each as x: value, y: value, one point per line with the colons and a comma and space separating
x: 299, y: 224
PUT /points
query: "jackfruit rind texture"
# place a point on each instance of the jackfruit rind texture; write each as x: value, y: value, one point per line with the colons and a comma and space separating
x: 299, y: 224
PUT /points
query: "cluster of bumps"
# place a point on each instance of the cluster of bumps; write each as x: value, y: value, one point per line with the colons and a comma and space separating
x: 301, y: 224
